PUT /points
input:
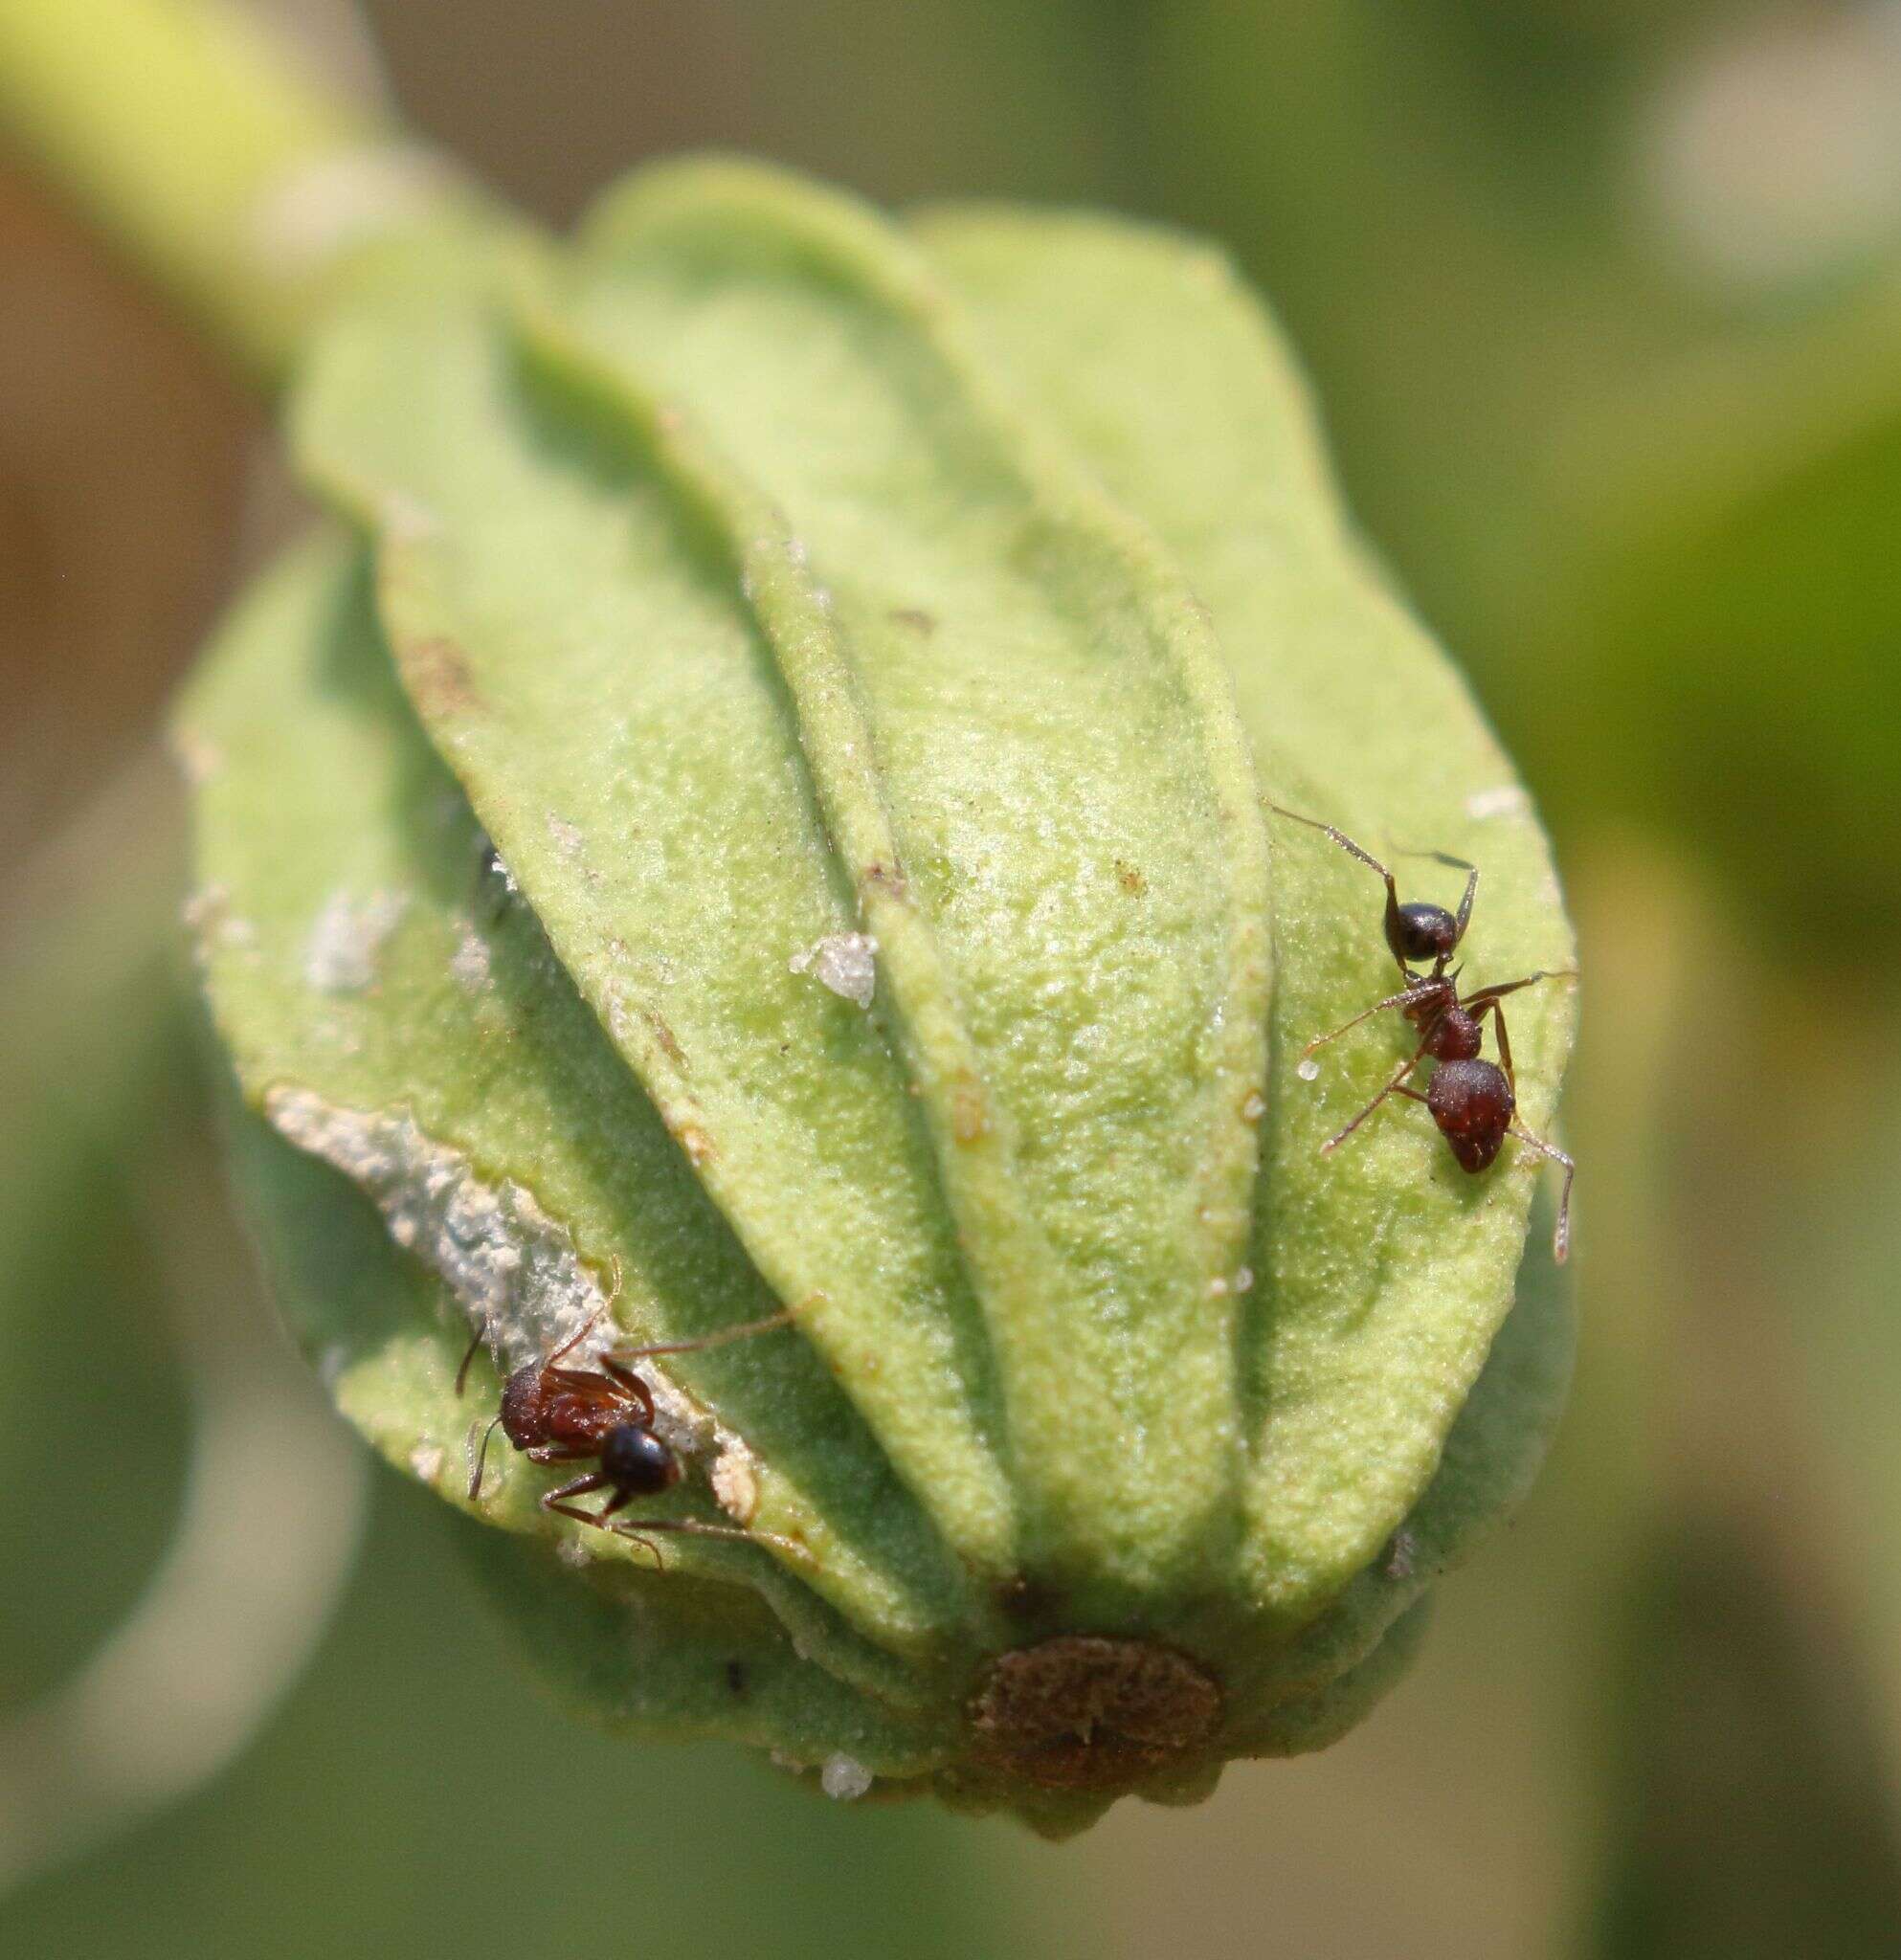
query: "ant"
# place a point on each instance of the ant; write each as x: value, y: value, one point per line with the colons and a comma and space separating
x: 1473, y: 1100
x: 604, y: 1414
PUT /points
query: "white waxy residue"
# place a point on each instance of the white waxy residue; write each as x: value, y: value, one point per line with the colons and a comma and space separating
x: 468, y: 964
x: 1309, y: 1070
x: 328, y: 202
x: 346, y: 937
x: 513, y: 1270
x: 845, y: 962
x: 1508, y: 799
x: 844, y: 1777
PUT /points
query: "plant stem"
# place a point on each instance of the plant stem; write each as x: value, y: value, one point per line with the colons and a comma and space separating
x: 187, y: 135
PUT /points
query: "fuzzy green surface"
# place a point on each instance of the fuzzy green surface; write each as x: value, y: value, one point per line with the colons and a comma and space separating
x: 769, y: 573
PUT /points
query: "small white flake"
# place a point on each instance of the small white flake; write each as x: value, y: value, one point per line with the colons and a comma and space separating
x: 346, y: 937
x: 844, y: 961
x: 1254, y: 1106
x: 200, y: 758
x: 1508, y: 799
x: 567, y: 838
x: 736, y: 1485
x: 208, y: 917
x: 844, y: 1777
x: 469, y: 962
x: 327, y: 203
x: 1309, y: 1071
x: 570, y: 1551
x: 426, y: 1461
x: 1243, y: 1279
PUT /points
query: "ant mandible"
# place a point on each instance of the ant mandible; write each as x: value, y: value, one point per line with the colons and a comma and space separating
x: 605, y: 1414
x: 1473, y: 1100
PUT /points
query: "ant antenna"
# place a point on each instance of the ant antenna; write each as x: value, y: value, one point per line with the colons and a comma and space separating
x: 635, y: 1528
x: 784, y: 1317
x: 462, y: 1372
x: 481, y: 1458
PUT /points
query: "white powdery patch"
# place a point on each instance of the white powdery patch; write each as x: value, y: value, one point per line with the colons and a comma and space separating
x: 469, y: 962
x: 845, y: 962
x: 513, y: 1270
x: 566, y: 837
x: 347, y: 936
x: 844, y: 1777
x: 198, y: 756
x: 1508, y: 800
x: 210, y: 920
x: 323, y: 206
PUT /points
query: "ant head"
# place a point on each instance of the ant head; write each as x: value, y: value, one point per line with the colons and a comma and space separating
x: 1421, y: 932
x: 635, y: 1460
x: 520, y: 1406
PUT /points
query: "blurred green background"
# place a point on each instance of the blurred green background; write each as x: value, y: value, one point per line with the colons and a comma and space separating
x: 1604, y: 302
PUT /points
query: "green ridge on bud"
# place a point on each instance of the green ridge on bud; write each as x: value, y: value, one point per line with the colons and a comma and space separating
x: 756, y: 801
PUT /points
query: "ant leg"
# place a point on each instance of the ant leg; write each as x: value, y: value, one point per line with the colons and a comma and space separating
x: 480, y: 1458
x: 1492, y: 1007
x: 1501, y: 987
x: 627, y: 1379
x: 575, y: 1339
x: 1396, y: 1085
x: 1561, y: 1236
x: 1347, y: 844
x: 558, y: 1501
x: 1379, y: 1007
x: 462, y: 1372
x: 1486, y: 1001
x: 784, y: 1317
x: 692, y: 1528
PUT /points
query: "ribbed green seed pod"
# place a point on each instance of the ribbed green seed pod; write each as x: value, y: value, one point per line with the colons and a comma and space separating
x: 756, y: 801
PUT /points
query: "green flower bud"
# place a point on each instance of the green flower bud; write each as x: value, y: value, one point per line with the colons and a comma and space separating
x: 757, y: 803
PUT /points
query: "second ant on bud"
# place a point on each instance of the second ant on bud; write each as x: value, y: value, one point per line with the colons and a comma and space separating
x: 606, y: 1415
x: 1471, y: 1100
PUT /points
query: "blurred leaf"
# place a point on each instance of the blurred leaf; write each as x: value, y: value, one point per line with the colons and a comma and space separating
x: 1753, y: 1818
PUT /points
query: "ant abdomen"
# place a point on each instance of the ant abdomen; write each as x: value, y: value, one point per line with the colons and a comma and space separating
x: 633, y: 1459
x: 1472, y: 1104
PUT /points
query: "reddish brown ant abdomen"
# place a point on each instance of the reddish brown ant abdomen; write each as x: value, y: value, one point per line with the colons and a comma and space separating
x: 1472, y: 1104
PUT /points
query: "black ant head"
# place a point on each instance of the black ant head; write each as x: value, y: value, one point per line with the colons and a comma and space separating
x: 1423, y: 932
x: 635, y: 1462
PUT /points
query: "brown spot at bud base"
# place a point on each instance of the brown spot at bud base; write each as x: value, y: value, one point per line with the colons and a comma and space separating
x: 1085, y: 1712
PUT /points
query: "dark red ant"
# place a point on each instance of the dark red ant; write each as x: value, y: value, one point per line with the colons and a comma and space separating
x: 606, y: 1415
x: 1473, y: 1100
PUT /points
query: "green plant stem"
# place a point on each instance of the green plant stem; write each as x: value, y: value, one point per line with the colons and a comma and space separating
x: 185, y: 133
